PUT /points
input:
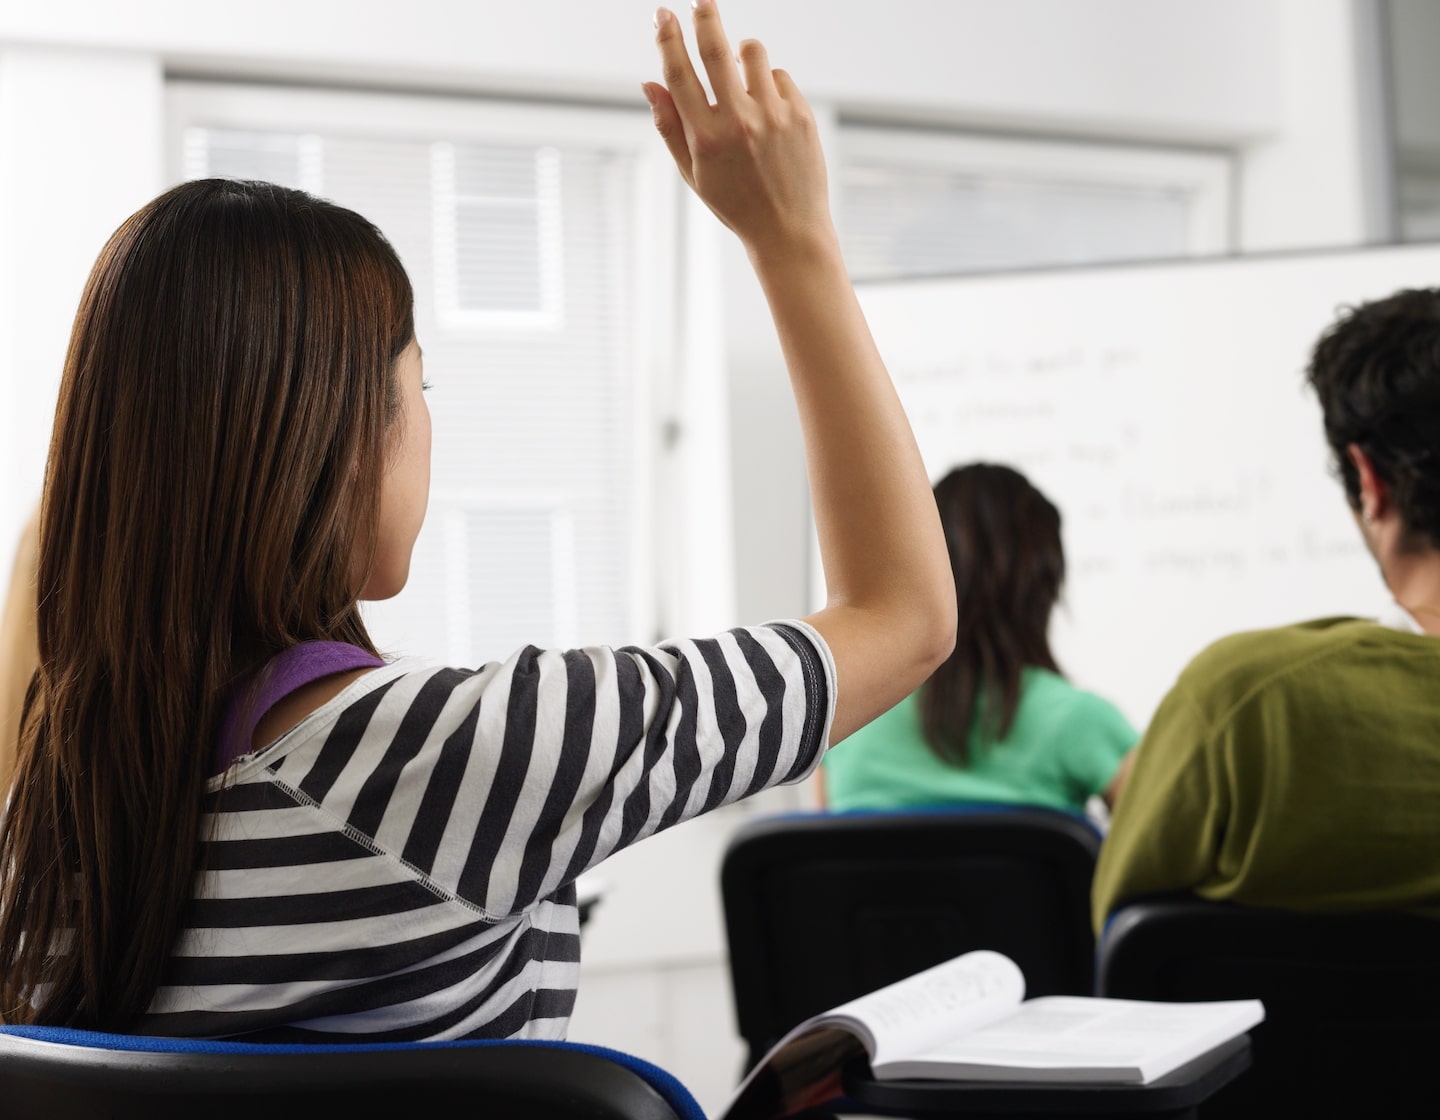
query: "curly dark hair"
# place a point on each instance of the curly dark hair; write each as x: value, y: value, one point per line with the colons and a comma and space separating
x: 1005, y: 552
x: 1376, y: 371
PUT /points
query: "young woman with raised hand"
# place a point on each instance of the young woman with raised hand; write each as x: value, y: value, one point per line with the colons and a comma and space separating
x: 230, y: 817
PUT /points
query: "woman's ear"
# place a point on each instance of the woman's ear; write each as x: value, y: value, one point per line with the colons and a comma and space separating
x: 1374, y: 491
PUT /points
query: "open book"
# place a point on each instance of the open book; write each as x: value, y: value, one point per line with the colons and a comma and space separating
x: 968, y: 1020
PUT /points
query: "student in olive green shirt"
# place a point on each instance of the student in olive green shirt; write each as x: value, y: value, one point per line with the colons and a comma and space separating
x: 1300, y: 767
x: 996, y: 722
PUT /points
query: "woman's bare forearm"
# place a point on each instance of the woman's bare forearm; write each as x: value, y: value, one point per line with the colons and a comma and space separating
x: 754, y: 158
x: 887, y: 573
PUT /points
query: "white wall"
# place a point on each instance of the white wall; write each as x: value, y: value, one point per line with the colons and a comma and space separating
x: 1167, y: 67
x: 1274, y: 81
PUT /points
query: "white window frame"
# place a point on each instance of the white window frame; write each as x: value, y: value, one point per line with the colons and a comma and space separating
x: 1205, y: 175
x: 655, y: 218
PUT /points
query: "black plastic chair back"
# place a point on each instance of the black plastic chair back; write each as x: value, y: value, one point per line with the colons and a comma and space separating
x: 820, y: 909
x: 43, y: 1079
x: 1352, y: 1002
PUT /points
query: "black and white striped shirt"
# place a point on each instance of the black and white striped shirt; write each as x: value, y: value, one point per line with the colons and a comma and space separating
x: 401, y: 864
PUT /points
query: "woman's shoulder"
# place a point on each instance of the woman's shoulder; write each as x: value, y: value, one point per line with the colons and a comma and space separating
x: 312, y: 717
x: 1049, y: 689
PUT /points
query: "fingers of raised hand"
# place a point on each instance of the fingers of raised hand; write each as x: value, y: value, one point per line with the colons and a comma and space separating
x: 670, y: 127
x: 676, y: 70
x: 787, y: 89
x: 753, y: 157
x: 756, y: 65
x: 715, y: 53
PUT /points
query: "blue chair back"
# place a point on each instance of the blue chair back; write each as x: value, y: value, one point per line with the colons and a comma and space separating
x: 52, y: 1072
x: 821, y: 908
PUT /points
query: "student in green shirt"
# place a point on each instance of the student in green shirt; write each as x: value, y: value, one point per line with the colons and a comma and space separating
x: 1300, y: 767
x: 997, y: 721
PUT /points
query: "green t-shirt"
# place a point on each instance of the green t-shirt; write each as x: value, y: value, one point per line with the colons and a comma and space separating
x: 1296, y: 768
x: 1063, y: 747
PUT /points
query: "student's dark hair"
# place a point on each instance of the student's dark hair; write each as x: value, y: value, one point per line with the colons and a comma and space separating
x: 1005, y: 552
x: 1376, y: 371
x: 211, y: 499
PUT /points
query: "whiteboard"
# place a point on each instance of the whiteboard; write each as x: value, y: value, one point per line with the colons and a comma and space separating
x: 1163, y: 409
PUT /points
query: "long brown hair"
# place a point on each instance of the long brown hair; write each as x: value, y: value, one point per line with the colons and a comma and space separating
x: 1005, y: 552
x: 210, y: 500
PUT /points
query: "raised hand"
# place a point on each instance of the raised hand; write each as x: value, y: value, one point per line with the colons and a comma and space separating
x: 754, y: 156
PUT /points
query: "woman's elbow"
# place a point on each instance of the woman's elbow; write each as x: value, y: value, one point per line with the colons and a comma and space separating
x: 938, y: 630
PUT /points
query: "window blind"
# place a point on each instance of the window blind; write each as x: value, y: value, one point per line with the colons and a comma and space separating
x: 915, y: 205
x: 902, y: 222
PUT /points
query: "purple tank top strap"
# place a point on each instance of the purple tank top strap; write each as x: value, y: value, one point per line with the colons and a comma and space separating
x: 283, y: 674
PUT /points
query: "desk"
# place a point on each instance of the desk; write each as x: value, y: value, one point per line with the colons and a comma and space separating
x: 1172, y: 1097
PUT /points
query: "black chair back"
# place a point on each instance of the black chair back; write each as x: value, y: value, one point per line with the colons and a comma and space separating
x: 40, y: 1078
x: 822, y: 908
x: 1352, y: 1002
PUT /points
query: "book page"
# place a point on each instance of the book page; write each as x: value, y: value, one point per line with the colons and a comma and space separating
x: 1120, y: 1040
x: 921, y: 1010
x: 803, y: 1069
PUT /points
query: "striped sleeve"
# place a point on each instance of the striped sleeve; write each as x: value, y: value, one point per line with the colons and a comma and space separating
x: 504, y: 784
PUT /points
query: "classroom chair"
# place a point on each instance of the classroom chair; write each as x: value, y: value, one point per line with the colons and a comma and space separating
x: 1352, y: 1001
x: 55, y: 1072
x: 821, y: 908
